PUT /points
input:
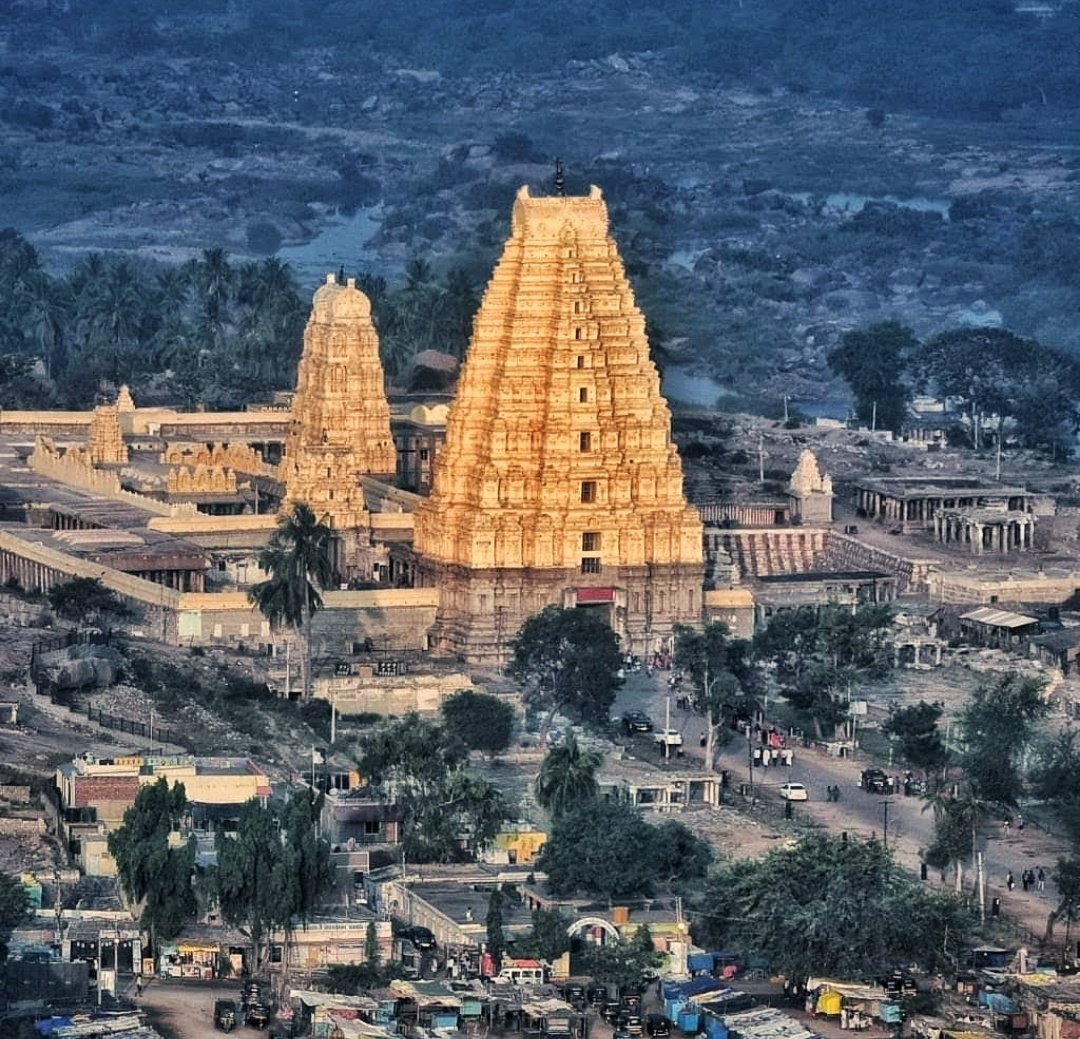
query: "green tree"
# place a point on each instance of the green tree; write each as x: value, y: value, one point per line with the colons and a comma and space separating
x: 149, y: 870
x: 493, y: 926
x: 606, y: 849
x: 299, y: 561
x: 997, y: 724
x: 831, y: 907
x: 548, y: 938
x: 714, y: 662
x: 87, y: 600
x: 568, y: 660
x: 1067, y: 879
x: 626, y: 963
x: 1055, y: 778
x: 479, y: 720
x: 679, y: 855
x: 916, y: 727
x: 14, y: 909
x: 273, y: 873
x: 446, y: 814
x: 874, y: 361
x: 567, y: 777
x: 371, y: 946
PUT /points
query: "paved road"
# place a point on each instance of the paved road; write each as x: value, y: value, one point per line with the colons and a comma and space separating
x: 910, y: 830
x: 185, y: 1010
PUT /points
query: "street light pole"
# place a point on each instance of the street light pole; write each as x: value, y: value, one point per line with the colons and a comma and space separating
x: 885, y: 828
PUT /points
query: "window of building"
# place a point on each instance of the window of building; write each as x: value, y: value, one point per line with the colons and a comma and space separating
x: 372, y: 827
x: 590, y: 564
x: 577, y: 306
x: 583, y: 395
x: 585, y: 442
x: 590, y: 541
x: 423, y: 454
x: 581, y: 360
x: 577, y: 332
x: 588, y: 490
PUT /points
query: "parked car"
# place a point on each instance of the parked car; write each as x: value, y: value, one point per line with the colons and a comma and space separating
x: 224, y: 1015
x: 596, y: 994
x: 794, y: 792
x: 669, y: 737
x: 631, y: 1002
x: 632, y: 1024
x: 658, y: 1026
x: 611, y: 1010
x: 574, y: 994
x: 421, y: 937
x: 636, y: 721
x: 875, y: 781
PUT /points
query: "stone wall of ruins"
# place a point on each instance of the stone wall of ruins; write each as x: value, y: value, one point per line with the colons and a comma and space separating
x: 772, y: 553
x: 844, y: 552
x: 72, y: 467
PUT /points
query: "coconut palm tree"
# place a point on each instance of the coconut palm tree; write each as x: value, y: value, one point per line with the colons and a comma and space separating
x: 567, y: 777
x: 299, y: 562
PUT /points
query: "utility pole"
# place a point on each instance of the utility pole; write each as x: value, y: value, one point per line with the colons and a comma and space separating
x: 786, y: 420
x: 873, y: 418
x: 885, y: 827
x: 750, y: 757
x: 761, y: 457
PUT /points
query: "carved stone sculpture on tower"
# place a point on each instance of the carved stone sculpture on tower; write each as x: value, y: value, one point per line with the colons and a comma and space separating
x: 340, y: 427
x: 811, y: 492
x: 558, y: 481
x: 105, y: 440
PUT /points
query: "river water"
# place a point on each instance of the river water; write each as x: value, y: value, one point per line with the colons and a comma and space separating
x: 343, y: 242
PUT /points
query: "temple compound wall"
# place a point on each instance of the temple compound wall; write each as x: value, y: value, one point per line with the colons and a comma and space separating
x: 1050, y: 585
x: 558, y: 482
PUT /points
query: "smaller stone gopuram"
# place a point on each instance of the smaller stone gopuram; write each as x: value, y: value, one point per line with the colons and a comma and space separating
x: 810, y: 492
x: 340, y: 427
x: 105, y: 441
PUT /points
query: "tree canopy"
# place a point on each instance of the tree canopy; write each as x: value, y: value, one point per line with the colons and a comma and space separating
x: 568, y: 660
x: 608, y: 850
x: 149, y: 870
x: 873, y: 361
x: 916, y: 728
x: 274, y: 871
x: 479, y: 720
x: 446, y: 813
x: 87, y: 600
x: 997, y: 724
x: 830, y: 907
x: 567, y: 777
x: 14, y: 909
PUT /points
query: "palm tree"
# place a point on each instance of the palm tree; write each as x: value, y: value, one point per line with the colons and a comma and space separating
x: 299, y: 562
x: 567, y: 777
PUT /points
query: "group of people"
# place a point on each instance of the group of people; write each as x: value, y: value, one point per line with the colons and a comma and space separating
x: 832, y: 793
x: 766, y: 756
x: 1029, y: 878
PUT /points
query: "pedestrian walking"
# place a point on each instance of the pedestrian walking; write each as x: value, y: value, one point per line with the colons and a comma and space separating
x: 1005, y: 823
x: 1024, y: 880
x: 1040, y: 879
x: 1010, y: 881
x: 1019, y: 822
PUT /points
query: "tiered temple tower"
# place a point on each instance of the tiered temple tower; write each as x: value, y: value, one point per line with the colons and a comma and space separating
x: 558, y: 482
x: 340, y: 421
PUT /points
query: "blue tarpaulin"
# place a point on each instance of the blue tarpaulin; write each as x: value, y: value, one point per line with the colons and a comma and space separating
x: 698, y: 962
x: 998, y: 1002
x: 51, y: 1024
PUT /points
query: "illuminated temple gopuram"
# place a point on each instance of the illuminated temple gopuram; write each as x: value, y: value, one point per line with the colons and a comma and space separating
x: 558, y: 482
x: 340, y: 426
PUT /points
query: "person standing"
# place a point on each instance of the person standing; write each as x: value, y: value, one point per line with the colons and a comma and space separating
x: 1040, y: 879
x: 1010, y: 881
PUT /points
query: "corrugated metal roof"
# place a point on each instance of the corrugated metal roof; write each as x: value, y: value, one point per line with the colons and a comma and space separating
x: 998, y: 618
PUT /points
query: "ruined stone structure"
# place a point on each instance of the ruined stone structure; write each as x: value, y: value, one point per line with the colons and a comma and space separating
x: 558, y: 482
x: 909, y: 505
x: 240, y: 457
x: 811, y: 492
x: 986, y: 530
x: 105, y: 440
x: 201, y: 479
x: 340, y: 426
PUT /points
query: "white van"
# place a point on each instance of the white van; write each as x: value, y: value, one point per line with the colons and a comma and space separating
x: 522, y: 972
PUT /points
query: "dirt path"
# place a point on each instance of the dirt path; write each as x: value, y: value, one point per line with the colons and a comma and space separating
x: 183, y: 1010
